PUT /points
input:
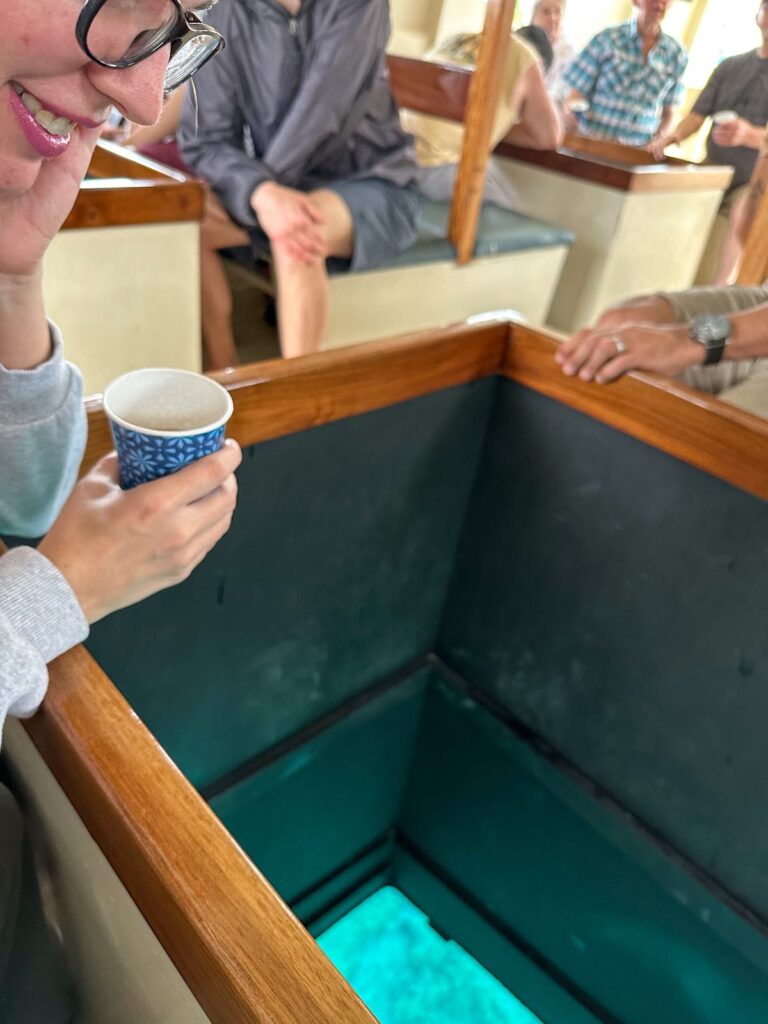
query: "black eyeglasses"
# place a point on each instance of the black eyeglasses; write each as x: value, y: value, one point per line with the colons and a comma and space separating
x: 121, y: 33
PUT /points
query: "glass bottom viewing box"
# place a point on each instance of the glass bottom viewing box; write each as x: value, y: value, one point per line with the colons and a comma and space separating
x: 448, y: 654
x: 407, y: 973
x: 421, y: 787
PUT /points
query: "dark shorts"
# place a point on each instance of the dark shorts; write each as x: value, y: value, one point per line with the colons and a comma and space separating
x: 385, y: 218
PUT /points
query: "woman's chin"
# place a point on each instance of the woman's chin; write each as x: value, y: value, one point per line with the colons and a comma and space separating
x: 18, y: 174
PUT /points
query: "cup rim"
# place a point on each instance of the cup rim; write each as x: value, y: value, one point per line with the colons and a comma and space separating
x: 150, y: 431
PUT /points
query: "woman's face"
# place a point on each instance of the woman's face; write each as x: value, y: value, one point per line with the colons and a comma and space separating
x: 42, y: 66
x: 549, y: 15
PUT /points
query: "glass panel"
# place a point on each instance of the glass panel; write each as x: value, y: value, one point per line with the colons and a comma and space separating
x: 407, y: 973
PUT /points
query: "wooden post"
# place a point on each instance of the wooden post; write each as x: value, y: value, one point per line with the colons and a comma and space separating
x: 754, y: 262
x: 481, y: 110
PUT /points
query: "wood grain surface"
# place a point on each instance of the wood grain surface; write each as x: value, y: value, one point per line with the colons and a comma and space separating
x: 124, y: 188
x: 621, y: 167
x: 480, y: 113
x: 110, y: 160
x: 753, y: 268
x: 283, y: 396
x: 697, y: 428
x: 243, y: 955
x: 442, y: 91
x: 430, y: 88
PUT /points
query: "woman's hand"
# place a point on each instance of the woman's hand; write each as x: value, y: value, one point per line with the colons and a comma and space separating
x: 290, y: 220
x: 117, y: 547
x: 29, y: 221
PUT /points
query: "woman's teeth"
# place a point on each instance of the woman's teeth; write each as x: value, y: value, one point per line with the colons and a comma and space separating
x: 53, y: 124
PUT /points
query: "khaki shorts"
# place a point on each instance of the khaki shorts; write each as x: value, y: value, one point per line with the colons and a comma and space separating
x: 741, y: 382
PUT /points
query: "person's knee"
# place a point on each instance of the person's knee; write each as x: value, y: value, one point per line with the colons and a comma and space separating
x: 338, y: 224
x: 288, y: 267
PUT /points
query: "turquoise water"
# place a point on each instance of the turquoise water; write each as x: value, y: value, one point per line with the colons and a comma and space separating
x: 408, y: 974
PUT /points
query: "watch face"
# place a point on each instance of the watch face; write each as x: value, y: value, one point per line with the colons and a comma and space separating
x: 711, y: 330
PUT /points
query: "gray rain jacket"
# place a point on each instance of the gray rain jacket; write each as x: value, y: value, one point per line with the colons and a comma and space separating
x: 301, y: 101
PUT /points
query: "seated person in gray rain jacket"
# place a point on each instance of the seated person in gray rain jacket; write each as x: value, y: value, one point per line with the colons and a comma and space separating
x: 297, y: 132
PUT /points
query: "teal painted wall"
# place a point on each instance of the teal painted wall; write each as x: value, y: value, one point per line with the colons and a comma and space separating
x: 623, y: 618
x: 332, y: 576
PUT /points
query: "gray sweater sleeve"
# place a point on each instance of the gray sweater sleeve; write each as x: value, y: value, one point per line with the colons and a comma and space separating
x: 42, y: 438
x: 42, y: 435
x: 39, y: 619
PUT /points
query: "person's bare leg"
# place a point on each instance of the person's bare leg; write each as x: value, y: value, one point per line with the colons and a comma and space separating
x: 303, y: 292
x: 731, y: 249
x: 218, y: 231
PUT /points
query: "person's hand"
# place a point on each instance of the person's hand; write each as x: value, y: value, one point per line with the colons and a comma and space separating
x: 604, y: 353
x: 29, y: 221
x: 117, y: 547
x: 657, y: 145
x: 733, y: 133
x: 290, y: 220
x: 570, y: 119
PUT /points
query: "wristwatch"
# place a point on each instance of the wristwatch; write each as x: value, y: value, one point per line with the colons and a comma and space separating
x: 713, y: 332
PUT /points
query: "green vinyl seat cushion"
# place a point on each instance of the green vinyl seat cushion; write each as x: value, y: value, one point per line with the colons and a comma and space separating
x: 498, y: 231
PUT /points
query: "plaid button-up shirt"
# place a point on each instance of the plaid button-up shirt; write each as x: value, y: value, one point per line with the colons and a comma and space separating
x: 627, y: 93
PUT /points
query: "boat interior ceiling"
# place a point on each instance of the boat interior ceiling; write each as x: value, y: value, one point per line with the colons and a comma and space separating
x: 450, y: 644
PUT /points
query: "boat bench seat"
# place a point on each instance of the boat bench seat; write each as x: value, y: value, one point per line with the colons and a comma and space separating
x: 517, y: 264
x: 499, y: 231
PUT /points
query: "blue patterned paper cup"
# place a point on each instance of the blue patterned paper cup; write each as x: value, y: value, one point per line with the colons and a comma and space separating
x: 162, y: 419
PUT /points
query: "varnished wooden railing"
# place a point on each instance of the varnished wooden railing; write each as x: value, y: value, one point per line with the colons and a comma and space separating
x: 474, y: 101
x: 443, y: 91
x: 484, y: 93
x: 242, y: 954
x: 754, y: 262
x: 428, y: 87
x: 124, y: 188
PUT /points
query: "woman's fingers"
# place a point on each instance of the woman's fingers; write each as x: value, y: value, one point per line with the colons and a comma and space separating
x: 194, y: 481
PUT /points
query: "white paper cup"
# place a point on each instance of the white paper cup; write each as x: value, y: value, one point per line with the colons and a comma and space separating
x: 725, y: 117
x: 163, y: 419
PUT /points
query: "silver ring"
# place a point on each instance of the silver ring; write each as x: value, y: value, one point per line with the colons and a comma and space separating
x: 620, y: 345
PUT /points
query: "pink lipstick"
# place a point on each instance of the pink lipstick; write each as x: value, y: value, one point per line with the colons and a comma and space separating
x: 44, y: 142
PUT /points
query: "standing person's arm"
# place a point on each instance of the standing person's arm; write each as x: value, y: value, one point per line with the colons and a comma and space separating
x: 667, y: 116
x: 582, y: 74
x: 670, y: 101
x: 689, y: 125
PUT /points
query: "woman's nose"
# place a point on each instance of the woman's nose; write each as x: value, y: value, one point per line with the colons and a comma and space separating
x: 138, y: 91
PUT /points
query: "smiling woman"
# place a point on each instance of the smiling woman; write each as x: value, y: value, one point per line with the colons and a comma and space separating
x: 63, y: 66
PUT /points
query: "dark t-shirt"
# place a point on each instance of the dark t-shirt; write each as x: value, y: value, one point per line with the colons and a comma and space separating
x: 740, y: 83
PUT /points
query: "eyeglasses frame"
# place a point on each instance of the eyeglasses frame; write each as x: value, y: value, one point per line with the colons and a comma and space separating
x: 187, y: 26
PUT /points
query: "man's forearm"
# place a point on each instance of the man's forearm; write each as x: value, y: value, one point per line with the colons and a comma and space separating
x: 667, y: 114
x: 24, y: 335
x: 690, y: 124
